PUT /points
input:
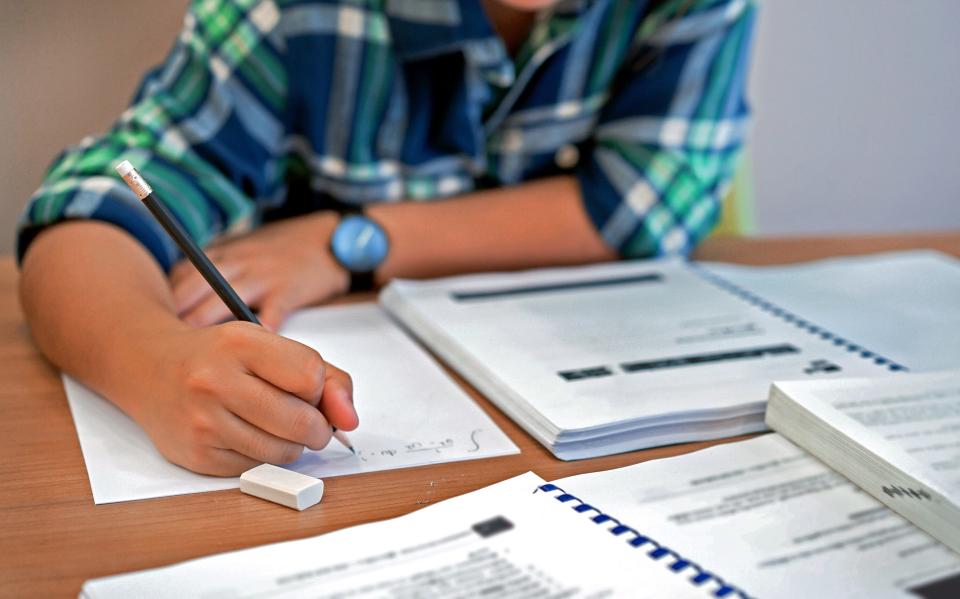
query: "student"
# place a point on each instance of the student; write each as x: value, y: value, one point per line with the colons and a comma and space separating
x: 310, y: 141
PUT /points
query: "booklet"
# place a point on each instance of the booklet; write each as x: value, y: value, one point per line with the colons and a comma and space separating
x: 902, y: 305
x: 897, y: 438
x: 515, y: 539
x: 614, y: 357
x: 759, y: 518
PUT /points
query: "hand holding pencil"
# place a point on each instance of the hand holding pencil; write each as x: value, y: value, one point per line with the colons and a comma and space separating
x: 250, y: 396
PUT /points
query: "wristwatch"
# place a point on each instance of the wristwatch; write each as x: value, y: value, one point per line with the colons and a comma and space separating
x: 360, y: 245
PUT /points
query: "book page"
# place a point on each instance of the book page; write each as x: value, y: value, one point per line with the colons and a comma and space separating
x: 591, y: 346
x: 411, y: 414
x: 911, y: 422
x: 765, y: 512
x: 902, y: 305
x: 502, y: 541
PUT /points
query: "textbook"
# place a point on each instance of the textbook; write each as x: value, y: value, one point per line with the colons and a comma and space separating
x: 897, y: 438
x: 758, y: 518
x: 608, y: 358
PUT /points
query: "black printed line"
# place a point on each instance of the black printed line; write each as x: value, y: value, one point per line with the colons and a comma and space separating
x: 467, y: 296
x: 697, y: 359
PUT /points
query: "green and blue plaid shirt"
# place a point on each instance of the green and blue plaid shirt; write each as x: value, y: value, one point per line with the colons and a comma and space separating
x: 273, y: 108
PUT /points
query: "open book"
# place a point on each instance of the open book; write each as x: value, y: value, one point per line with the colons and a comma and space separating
x: 614, y: 357
x: 758, y: 518
x: 897, y: 438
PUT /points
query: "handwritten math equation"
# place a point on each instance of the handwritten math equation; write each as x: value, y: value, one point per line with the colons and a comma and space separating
x: 413, y: 447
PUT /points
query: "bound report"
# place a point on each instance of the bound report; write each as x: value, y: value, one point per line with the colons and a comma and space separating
x: 897, y: 438
x: 759, y: 518
x: 517, y: 539
x: 610, y: 358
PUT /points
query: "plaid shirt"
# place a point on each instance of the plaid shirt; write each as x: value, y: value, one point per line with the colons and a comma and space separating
x: 266, y: 109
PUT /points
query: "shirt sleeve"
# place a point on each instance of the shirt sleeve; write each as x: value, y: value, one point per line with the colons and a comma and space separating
x: 666, y: 145
x: 204, y: 129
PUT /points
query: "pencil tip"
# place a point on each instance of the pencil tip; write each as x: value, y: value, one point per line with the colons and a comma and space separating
x: 352, y: 450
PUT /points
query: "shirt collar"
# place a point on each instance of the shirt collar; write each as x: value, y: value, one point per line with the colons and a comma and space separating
x: 424, y: 28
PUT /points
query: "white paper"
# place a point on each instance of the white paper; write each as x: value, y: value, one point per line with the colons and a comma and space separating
x: 903, y: 305
x: 546, y: 550
x: 766, y: 513
x: 672, y: 349
x: 411, y: 414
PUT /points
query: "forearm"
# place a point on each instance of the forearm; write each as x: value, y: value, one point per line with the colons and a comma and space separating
x: 94, y: 298
x: 540, y: 223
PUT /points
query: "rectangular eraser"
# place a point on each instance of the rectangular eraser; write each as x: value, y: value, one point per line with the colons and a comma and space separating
x: 282, y: 486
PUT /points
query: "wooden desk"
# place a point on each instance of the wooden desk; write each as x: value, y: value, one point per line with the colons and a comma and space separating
x: 52, y: 536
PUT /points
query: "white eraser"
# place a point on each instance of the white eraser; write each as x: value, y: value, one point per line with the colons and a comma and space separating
x: 282, y: 486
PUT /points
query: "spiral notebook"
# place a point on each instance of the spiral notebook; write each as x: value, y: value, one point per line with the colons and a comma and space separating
x: 519, y: 538
x: 615, y: 357
x: 770, y: 517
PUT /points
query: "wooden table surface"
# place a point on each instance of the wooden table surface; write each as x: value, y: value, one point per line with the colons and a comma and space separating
x: 53, y: 537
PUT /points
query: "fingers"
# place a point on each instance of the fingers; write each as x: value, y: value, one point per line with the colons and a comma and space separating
x: 257, y: 444
x: 275, y: 308
x: 212, y: 310
x: 337, y: 400
x: 279, y: 414
x: 190, y: 288
x: 223, y: 462
x: 282, y: 362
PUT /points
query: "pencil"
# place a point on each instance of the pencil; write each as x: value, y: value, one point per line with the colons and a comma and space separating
x: 240, y: 310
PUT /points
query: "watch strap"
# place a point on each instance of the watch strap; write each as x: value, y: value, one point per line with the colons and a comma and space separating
x: 361, y: 281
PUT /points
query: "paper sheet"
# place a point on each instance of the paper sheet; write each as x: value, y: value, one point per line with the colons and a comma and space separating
x: 411, y: 414
x: 768, y: 514
x: 903, y: 305
x: 502, y: 541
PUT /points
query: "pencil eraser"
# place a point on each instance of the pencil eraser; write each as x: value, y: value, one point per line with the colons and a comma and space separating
x: 124, y: 168
x: 282, y: 486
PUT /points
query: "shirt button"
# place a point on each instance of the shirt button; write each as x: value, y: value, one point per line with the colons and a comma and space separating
x: 512, y: 141
x: 567, y: 156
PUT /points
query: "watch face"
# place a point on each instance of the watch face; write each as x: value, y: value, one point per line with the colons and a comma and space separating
x: 359, y: 244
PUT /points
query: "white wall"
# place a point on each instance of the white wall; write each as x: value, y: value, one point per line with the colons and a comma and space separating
x: 68, y: 69
x: 857, y: 116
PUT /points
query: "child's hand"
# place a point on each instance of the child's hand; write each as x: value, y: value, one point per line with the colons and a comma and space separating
x: 220, y: 400
x: 276, y: 269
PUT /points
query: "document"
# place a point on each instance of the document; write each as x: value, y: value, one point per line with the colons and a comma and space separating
x: 613, y: 357
x: 411, y: 414
x: 902, y: 305
x: 766, y: 513
x: 503, y: 541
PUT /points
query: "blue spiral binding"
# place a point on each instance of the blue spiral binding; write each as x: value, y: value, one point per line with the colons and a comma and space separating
x: 700, y: 577
x: 795, y: 320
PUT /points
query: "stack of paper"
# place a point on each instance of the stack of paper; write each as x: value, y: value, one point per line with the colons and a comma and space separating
x: 614, y: 357
x: 898, y: 438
